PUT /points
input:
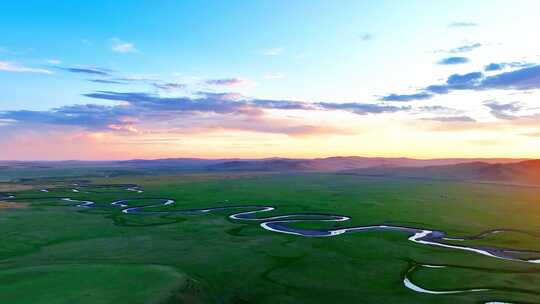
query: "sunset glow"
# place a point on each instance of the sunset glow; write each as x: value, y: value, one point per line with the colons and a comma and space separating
x: 266, y: 79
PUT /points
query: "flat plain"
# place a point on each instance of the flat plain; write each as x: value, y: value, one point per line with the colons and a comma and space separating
x: 52, y: 251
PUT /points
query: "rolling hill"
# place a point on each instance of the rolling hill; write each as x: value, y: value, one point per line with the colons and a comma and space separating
x: 490, y: 169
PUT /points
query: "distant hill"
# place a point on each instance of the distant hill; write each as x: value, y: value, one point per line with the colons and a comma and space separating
x: 490, y: 169
x: 185, y: 163
x: 523, y: 172
x: 340, y: 163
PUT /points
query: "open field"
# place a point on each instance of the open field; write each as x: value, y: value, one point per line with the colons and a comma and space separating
x: 269, y: 152
x: 103, y: 255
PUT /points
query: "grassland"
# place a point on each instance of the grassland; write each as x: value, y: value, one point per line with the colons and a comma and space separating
x: 53, y: 252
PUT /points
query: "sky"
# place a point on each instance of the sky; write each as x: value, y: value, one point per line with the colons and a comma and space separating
x: 105, y: 80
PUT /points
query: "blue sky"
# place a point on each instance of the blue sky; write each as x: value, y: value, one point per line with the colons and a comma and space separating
x: 392, y: 60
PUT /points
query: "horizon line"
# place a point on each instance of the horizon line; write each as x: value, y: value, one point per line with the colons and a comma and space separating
x: 271, y: 157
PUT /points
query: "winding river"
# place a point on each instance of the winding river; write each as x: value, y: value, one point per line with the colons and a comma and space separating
x: 282, y: 224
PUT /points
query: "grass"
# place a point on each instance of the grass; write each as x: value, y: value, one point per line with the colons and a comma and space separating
x: 91, y: 283
x: 236, y: 262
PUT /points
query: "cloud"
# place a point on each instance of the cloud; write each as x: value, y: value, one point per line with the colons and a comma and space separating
x: 142, y: 113
x: 407, y: 97
x: 465, y: 48
x: 453, y: 60
x: 152, y: 104
x: 106, y: 81
x: 463, y: 79
x: 503, y: 65
x: 92, y: 117
x: 509, y: 121
x: 169, y: 86
x: 462, y: 24
x: 120, y: 46
x: 53, y: 61
x: 436, y: 108
x: 7, y: 66
x: 361, y: 108
x: 88, y: 70
x: 494, y: 67
x: 281, y: 104
x: 457, y: 82
x: 273, y: 52
x: 262, y: 124
x: 462, y: 118
x: 367, y: 37
x: 226, y: 82
x: 204, y: 102
x: 138, y: 112
x: 527, y: 78
x: 461, y: 49
x: 137, y: 78
x: 503, y: 110
x: 523, y: 79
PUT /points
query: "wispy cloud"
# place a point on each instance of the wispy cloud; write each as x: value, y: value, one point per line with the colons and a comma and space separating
x: 169, y: 86
x: 229, y: 82
x: 461, y: 118
x: 142, y: 112
x: 462, y: 24
x: 465, y: 48
x: 407, y: 97
x: 106, y: 81
x: 120, y: 46
x: 137, y: 78
x: 367, y: 37
x: 53, y: 61
x: 94, y: 117
x: 204, y: 102
x: 362, y: 108
x: 503, y: 110
x: 7, y: 66
x: 273, y: 51
x: 437, y: 109
x: 504, y: 65
x: 453, y: 60
x: 96, y: 71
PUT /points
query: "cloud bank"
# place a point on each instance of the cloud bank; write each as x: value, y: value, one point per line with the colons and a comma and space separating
x: 453, y: 60
x: 137, y: 112
x: 7, y: 66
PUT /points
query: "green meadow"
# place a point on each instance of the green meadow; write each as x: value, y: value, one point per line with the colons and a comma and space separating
x: 54, y: 252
